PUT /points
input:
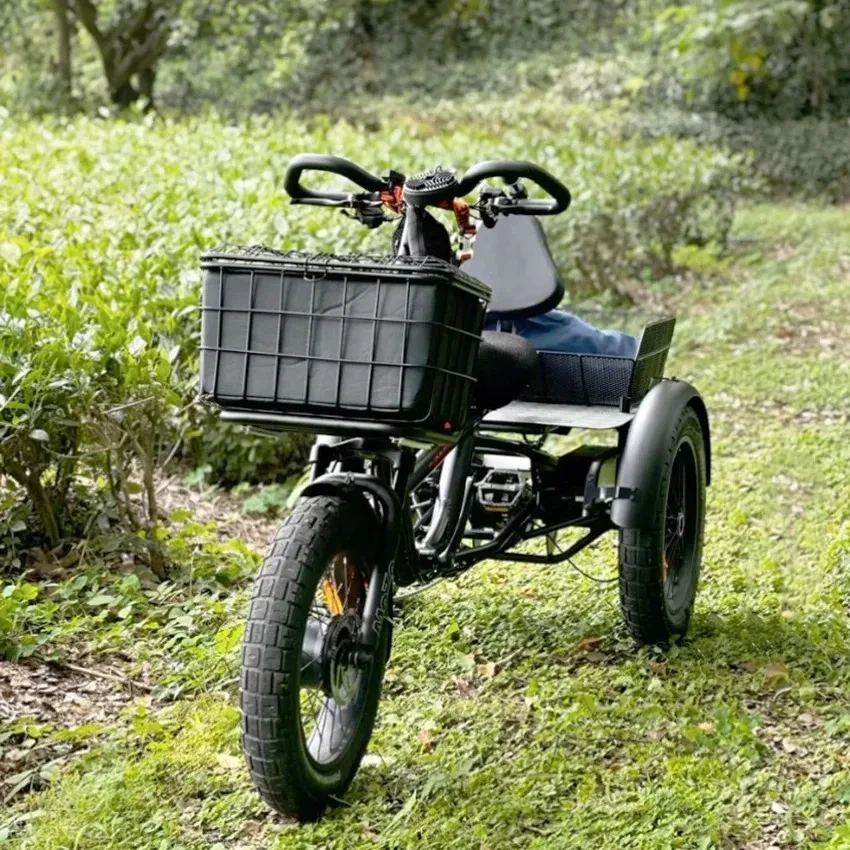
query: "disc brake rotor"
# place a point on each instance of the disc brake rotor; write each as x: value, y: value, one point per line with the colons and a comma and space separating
x: 343, y: 593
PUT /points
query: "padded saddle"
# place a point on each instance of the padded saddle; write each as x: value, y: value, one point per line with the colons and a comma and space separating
x: 506, y: 364
x: 514, y: 260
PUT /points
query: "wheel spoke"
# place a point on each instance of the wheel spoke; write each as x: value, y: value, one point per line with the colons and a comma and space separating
x: 673, y: 553
x: 328, y: 714
x: 331, y: 708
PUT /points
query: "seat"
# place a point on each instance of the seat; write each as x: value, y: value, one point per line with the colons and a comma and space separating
x: 514, y: 260
x: 506, y: 364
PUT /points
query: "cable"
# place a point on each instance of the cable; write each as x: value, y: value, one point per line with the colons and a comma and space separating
x: 580, y: 570
x: 587, y: 575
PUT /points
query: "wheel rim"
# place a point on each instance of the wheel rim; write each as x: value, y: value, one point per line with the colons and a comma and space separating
x: 681, y: 530
x: 331, y: 689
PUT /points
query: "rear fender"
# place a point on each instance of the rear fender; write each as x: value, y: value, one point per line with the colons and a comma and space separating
x: 649, y: 437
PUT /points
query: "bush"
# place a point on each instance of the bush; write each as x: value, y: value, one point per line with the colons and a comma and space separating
x: 101, y: 226
x: 782, y: 59
x: 808, y: 158
x: 230, y: 455
x: 634, y: 200
x: 635, y: 204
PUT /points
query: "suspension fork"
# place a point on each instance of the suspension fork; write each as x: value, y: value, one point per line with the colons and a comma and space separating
x: 385, y: 498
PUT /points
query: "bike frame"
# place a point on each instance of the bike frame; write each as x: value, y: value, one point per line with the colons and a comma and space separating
x: 385, y: 472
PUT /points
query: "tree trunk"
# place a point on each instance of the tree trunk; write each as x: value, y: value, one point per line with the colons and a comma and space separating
x: 130, y: 46
x: 123, y: 95
x: 147, y: 79
x: 64, y: 71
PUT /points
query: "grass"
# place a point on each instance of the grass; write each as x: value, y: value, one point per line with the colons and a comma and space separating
x: 517, y: 711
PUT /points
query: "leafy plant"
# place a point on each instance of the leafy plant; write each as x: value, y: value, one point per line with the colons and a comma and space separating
x: 804, y: 158
x: 784, y: 58
x: 99, y: 314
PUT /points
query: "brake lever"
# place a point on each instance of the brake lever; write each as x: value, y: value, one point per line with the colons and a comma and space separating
x: 486, y: 204
x: 353, y: 201
x: 517, y: 190
x: 368, y: 211
x: 372, y: 218
x: 321, y: 202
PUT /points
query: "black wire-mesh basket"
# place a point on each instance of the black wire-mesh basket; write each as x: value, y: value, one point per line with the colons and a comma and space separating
x: 591, y: 379
x: 390, y: 339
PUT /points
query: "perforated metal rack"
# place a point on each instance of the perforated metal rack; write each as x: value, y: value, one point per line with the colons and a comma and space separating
x: 592, y: 379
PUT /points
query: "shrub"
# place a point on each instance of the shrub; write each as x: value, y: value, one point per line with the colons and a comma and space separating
x: 809, y: 158
x: 634, y: 200
x: 781, y: 59
x: 636, y: 204
x: 230, y: 455
x: 101, y: 227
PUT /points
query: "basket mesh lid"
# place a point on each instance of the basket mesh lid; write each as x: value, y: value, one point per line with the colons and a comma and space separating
x: 299, y: 261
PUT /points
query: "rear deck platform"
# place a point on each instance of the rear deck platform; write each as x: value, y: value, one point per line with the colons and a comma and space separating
x: 532, y: 416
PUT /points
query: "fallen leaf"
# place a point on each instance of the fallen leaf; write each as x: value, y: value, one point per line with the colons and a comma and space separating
x: 777, y: 808
x: 588, y: 643
x: 229, y: 762
x: 487, y: 671
x: 375, y: 760
x: 706, y: 726
x: 464, y: 687
x: 426, y: 739
x: 806, y: 719
x: 776, y: 673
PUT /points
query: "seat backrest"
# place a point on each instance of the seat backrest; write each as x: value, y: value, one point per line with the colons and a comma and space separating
x: 514, y: 260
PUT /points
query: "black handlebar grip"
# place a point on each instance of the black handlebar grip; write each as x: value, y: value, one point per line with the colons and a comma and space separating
x: 511, y: 171
x: 333, y: 164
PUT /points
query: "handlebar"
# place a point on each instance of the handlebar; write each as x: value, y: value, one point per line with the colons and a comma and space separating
x: 335, y: 165
x: 511, y: 171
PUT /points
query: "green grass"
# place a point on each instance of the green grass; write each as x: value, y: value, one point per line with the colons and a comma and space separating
x: 737, y: 738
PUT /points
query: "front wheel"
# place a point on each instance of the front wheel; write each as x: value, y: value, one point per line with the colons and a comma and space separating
x: 307, y: 710
x: 660, y: 564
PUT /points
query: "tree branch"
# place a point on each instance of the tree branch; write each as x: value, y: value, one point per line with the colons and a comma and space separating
x: 141, y: 56
x: 86, y: 13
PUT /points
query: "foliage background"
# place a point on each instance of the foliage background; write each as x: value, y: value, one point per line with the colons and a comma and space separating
x: 707, y: 148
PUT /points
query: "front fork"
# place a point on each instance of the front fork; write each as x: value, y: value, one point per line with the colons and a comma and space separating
x: 389, y: 495
x: 379, y: 493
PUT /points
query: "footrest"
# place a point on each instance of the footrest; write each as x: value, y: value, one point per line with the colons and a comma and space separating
x: 531, y: 416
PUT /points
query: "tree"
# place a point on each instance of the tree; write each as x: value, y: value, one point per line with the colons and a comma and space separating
x: 783, y: 58
x: 64, y: 71
x: 131, y: 44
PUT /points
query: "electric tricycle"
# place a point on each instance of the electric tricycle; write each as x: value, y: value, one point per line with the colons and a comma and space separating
x: 430, y: 452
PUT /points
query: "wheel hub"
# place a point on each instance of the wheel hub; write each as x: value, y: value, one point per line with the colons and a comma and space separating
x: 680, y: 524
x: 340, y: 678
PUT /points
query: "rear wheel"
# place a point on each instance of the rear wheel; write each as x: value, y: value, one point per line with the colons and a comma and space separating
x: 660, y: 564
x: 307, y: 710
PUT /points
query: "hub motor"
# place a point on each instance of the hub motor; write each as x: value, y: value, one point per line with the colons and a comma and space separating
x: 340, y: 678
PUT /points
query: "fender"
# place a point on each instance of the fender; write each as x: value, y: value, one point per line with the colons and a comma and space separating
x: 355, y: 487
x: 649, y: 435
